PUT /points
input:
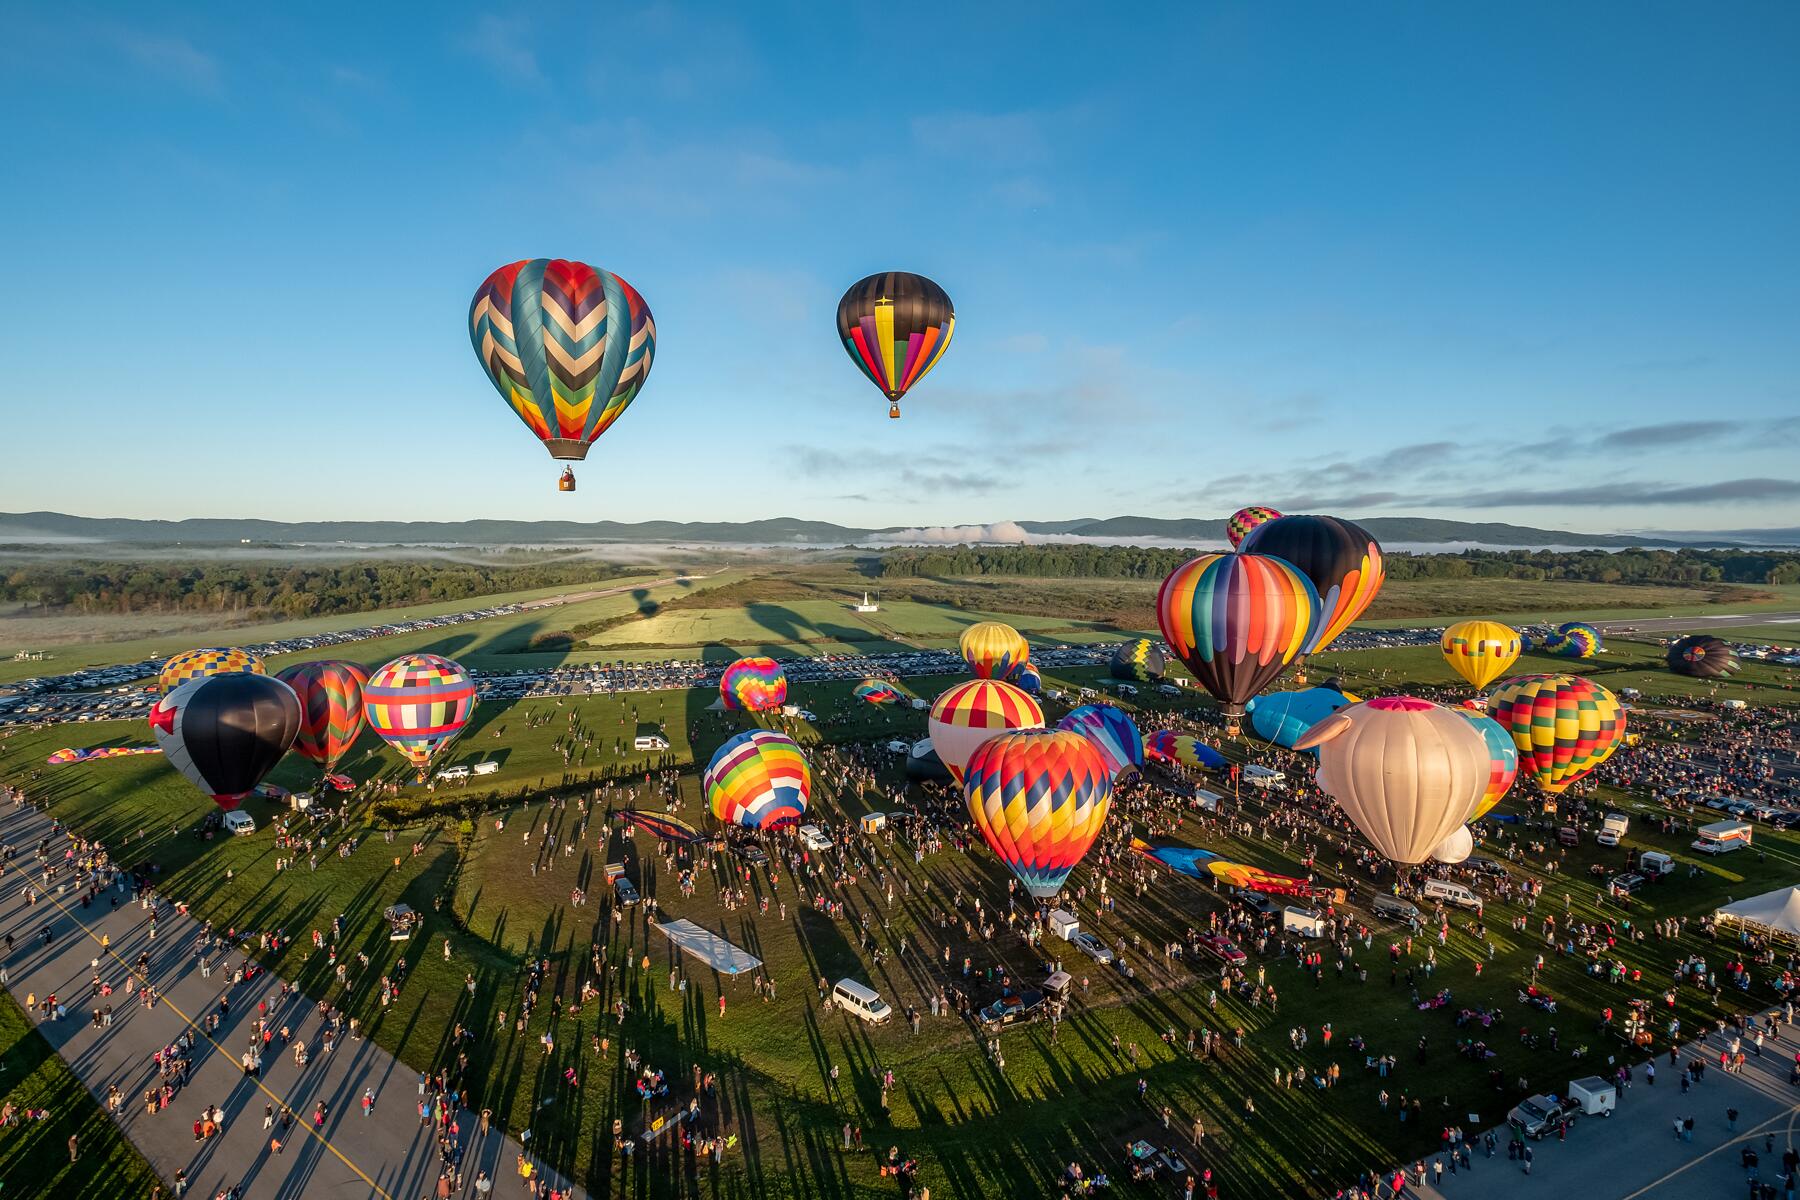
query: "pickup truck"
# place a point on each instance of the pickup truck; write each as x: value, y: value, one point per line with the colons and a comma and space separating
x: 1222, y: 948
x: 1540, y: 1116
x: 1019, y: 1009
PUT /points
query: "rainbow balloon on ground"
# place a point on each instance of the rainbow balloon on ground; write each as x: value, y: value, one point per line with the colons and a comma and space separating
x: 1039, y: 798
x: 1575, y: 639
x: 1113, y: 733
x: 418, y: 704
x: 211, y: 660
x: 66, y: 756
x: 758, y: 779
x: 754, y: 684
x: 876, y: 692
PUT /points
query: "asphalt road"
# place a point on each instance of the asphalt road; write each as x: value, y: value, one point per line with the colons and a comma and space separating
x: 1691, y: 624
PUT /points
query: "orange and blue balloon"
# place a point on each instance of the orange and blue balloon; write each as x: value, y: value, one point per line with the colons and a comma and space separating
x: 1039, y: 798
x: 332, y: 716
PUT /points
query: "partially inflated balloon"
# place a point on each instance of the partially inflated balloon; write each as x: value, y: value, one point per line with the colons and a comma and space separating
x: 1503, y: 759
x: 993, y: 649
x: 1241, y: 522
x: 1455, y: 848
x: 1168, y: 746
x: 225, y: 733
x: 754, y: 684
x: 1284, y: 717
x: 1340, y: 557
x: 971, y: 713
x: 1406, y: 772
x: 418, y: 704
x: 1039, y: 798
x: 1575, y: 639
x: 875, y: 691
x: 1562, y: 725
x: 1481, y: 651
x: 198, y: 664
x: 758, y: 779
x: 1703, y: 658
x: 331, y: 709
x: 1113, y: 733
x: 895, y: 327
x: 1027, y: 679
x: 567, y: 346
x: 1142, y: 660
x: 1236, y: 621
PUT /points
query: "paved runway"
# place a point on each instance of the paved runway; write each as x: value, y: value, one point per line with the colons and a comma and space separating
x: 387, y: 1155
x: 1692, y: 624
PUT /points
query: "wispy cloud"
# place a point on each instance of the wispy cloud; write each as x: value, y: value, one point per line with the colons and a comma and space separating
x: 168, y: 55
x: 502, y: 43
x: 1000, y: 140
x: 1725, y: 491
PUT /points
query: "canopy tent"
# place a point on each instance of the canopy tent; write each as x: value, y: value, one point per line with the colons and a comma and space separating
x: 710, y: 948
x: 1776, y: 913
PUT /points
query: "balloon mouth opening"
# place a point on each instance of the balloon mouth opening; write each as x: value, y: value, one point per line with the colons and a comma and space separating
x: 566, y: 449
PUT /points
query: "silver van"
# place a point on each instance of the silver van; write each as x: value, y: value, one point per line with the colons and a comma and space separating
x: 1451, y: 893
x: 1394, y: 908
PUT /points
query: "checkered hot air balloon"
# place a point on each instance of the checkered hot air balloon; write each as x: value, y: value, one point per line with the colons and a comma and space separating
x: 754, y: 684
x: 567, y: 346
x: 1239, y: 524
x: 970, y: 713
x: 758, y: 779
x: 1113, y: 733
x: 1141, y: 660
x: 1481, y: 651
x: 993, y: 649
x: 1562, y: 725
x: 418, y: 704
x: 1039, y: 798
x: 331, y: 707
x: 895, y: 326
x: 1236, y: 621
x: 1503, y: 760
x: 211, y: 660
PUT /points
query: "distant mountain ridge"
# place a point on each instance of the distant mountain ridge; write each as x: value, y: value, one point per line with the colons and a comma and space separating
x: 793, y: 531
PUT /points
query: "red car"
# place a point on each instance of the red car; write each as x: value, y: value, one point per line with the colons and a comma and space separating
x: 1223, y: 948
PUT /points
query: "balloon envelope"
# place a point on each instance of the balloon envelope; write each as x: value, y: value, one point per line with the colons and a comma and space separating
x: 895, y: 326
x: 1142, y: 660
x: 1563, y: 726
x: 758, y: 779
x: 1703, y: 658
x: 418, y: 704
x: 970, y: 713
x: 1169, y: 746
x: 1113, y: 733
x: 211, y: 660
x: 1236, y: 621
x: 876, y: 691
x: 1575, y: 639
x: 1406, y: 772
x: 993, y: 649
x: 225, y: 733
x: 1503, y: 759
x: 331, y: 708
x: 1284, y: 717
x: 1026, y: 678
x: 753, y: 684
x: 1039, y: 798
x: 1481, y: 651
x: 1241, y: 522
x: 1341, y: 558
x: 1455, y: 848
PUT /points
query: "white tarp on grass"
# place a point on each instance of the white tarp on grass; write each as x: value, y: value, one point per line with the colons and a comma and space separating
x: 710, y: 948
x: 1775, y: 912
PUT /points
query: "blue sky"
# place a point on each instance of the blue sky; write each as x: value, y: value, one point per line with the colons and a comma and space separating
x: 1531, y: 263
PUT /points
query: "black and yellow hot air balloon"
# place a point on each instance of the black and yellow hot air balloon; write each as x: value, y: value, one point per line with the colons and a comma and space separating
x: 895, y: 326
x: 1702, y: 657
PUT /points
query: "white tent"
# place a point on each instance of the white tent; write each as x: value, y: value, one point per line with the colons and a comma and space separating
x: 1775, y: 913
x: 710, y: 948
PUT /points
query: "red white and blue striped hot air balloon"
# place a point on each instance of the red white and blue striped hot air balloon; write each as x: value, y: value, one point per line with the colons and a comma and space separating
x: 567, y: 346
x: 418, y: 704
x: 758, y: 779
x: 1039, y: 798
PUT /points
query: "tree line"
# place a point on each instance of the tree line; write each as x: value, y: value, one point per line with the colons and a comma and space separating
x: 1056, y: 561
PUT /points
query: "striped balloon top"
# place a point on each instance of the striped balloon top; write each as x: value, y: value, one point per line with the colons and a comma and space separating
x: 1238, y: 606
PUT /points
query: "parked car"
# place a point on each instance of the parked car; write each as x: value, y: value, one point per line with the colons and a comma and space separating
x: 753, y: 854
x: 1093, y: 947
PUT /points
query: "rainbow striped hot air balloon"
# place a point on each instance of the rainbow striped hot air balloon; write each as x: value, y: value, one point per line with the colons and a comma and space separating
x: 895, y: 325
x: 1341, y: 559
x: 1236, y: 621
x: 331, y: 709
x: 1562, y: 725
x: 211, y: 660
x: 759, y: 780
x: 1481, y: 651
x: 970, y: 713
x: 1039, y: 797
x: 754, y: 684
x: 1113, y: 733
x: 875, y: 691
x: 993, y: 649
x: 1575, y: 639
x: 1168, y: 746
x: 1239, y: 524
x: 1503, y: 760
x: 418, y: 704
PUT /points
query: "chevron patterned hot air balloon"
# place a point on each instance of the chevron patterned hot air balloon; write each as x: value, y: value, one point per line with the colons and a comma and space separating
x: 754, y: 684
x: 895, y: 326
x: 1562, y: 725
x: 1141, y: 660
x: 758, y: 779
x: 1039, y: 798
x: 1113, y: 733
x: 331, y: 708
x: 567, y: 346
x: 970, y: 713
x: 1575, y: 639
x: 211, y: 660
x: 1236, y: 621
x: 1239, y: 524
x: 1481, y: 651
x: 1179, y: 748
x: 993, y: 649
x: 418, y: 704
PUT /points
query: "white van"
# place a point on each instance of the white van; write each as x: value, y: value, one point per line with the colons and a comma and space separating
x: 1655, y: 862
x: 239, y: 822
x: 1612, y: 829
x: 486, y: 768
x: 650, y: 742
x: 1262, y: 777
x: 1168, y: 689
x: 813, y: 838
x: 1451, y: 893
x: 1303, y: 921
x: 1126, y: 689
x: 861, y: 1000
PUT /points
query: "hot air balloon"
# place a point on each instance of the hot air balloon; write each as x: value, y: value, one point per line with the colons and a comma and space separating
x: 1241, y: 522
x: 331, y: 709
x: 418, y: 704
x: 1455, y: 848
x: 68, y: 755
x: 1169, y: 746
x: 1027, y: 679
x: 993, y: 649
x: 758, y: 779
x: 1481, y: 651
x: 1703, y: 658
x: 895, y: 326
x: 567, y: 346
x: 198, y: 664
x: 753, y: 684
x: 1340, y: 557
x: 876, y: 691
x: 1407, y: 772
x: 1562, y: 725
x: 971, y: 713
x: 1113, y: 733
x: 1283, y: 717
x: 1141, y: 660
x: 1575, y: 639
x: 1039, y: 797
x: 1236, y: 621
x: 225, y: 733
x: 1503, y: 760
